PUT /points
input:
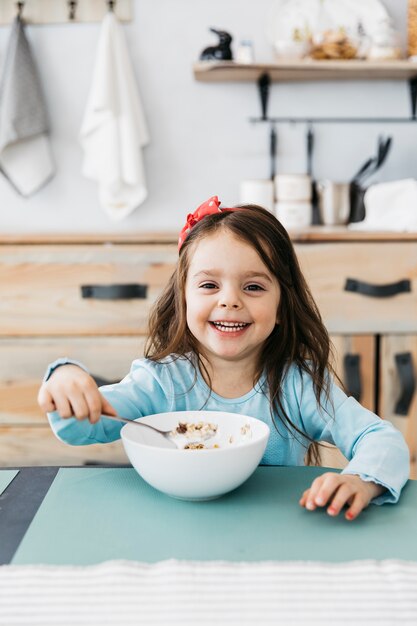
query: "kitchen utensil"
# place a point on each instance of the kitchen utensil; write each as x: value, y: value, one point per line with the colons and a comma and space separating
x: 384, y: 150
x: 273, y: 150
x: 362, y: 170
x: 357, y: 205
x: 368, y: 169
x: 315, y: 219
x: 333, y: 202
x: 163, y: 440
x: 198, y: 474
x: 375, y: 163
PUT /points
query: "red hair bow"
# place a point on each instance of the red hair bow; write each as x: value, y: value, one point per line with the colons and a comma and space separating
x: 210, y: 206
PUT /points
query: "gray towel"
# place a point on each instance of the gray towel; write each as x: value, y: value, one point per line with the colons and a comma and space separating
x: 25, y: 157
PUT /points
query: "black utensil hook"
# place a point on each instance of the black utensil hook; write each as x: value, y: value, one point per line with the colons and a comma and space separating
x: 264, y: 82
x: 72, y: 9
x: 273, y: 140
x: 19, y: 8
x: 413, y: 93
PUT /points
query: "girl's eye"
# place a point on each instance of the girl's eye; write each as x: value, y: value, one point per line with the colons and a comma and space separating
x: 208, y: 286
x: 254, y: 288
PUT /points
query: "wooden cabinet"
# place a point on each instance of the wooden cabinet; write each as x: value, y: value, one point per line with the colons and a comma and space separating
x: 81, y: 289
x: 354, y: 361
x: 66, y: 296
x: 87, y: 300
x: 397, y: 396
x: 366, y: 290
x: 25, y: 435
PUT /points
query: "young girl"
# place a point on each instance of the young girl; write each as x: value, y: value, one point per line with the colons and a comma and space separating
x: 236, y: 329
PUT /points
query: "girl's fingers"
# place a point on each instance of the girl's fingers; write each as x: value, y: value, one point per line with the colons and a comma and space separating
x: 336, y: 491
x: 107, y: 407
x: 357, y: 505
x: 63, y: 407
x: 79, y: 405
x: 94, y: 402
x: 45, y: 400
x: 342, y: 495
x: 311, y: 503
x: 97, y: 405
x: 322, y: 489
x: 303, y: 498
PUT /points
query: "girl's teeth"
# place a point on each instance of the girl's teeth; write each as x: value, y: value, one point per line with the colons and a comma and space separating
x: 229, y: 327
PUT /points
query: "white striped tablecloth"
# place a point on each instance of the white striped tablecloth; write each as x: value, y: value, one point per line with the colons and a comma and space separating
x: 125, y: 593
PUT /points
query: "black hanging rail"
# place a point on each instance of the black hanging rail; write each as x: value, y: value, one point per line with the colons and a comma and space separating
x: 334, y: 120
x: 264, y: 82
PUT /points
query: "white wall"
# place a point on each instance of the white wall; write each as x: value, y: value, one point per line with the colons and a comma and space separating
x: 201, y: 140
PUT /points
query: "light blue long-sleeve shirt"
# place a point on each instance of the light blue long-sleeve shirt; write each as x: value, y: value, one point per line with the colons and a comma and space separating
x: 375, y: 449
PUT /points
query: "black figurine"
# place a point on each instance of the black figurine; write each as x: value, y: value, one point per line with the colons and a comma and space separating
x: 221, y: 52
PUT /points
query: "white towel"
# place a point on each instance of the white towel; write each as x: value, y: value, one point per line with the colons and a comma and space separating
x: 390, y: 207
x: 127, y: 593
x: 25, y: 155
x: 114, y: 129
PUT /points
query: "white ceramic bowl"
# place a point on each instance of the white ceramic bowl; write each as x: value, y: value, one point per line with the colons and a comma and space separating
x: 197, y: 474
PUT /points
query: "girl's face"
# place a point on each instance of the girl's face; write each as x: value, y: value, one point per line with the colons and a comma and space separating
x: 232, y: 298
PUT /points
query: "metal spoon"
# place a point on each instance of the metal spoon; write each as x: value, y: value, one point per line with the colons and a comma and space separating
x: 168, y: 443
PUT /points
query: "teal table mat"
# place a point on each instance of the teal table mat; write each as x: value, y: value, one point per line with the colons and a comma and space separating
x: 91, y: 515
x: 6, y: 477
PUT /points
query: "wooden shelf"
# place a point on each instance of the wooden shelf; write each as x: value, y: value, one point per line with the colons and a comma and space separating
x: 311, y: 233
x: 305, y: 70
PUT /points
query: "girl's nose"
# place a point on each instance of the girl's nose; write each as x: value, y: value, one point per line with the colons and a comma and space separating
x: 229, y: 302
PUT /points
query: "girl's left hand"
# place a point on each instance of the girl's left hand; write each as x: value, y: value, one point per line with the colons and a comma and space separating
x: 336, y: 490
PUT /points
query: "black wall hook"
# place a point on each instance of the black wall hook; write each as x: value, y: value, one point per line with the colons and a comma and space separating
x: 110, y: 4
x: 72, y: 6
x: 20, y: 6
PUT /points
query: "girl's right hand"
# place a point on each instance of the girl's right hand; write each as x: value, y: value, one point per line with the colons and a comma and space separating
x: 73, y: 393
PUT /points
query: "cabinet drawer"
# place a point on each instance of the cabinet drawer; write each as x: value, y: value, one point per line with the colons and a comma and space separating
x: 361, y: 348
x: 398, y: 391
x: 23, y: 362
x: 41, y: 287
x: 327, y: 268
x: 37, y: 445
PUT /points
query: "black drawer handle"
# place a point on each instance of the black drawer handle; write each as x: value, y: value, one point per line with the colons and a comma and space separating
x: 114, y: 292
x: 377, y: 291
x: 352, y: 368
x: 405, y: 369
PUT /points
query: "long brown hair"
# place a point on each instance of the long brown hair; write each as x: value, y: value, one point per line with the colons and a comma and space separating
x: 300, y: 338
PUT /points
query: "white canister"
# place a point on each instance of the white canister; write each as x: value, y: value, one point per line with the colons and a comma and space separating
x: 294, y: 215
x: 292, y: 187
x: 258, y: 191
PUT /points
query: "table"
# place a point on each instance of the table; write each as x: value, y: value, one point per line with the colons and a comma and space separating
x: 97, y: 514
x: 98, y: 545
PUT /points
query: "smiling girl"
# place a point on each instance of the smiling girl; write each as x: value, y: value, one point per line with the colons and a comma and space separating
x: 236, y: 329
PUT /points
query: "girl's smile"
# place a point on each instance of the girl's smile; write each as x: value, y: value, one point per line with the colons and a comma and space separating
x: 231, y: 328
x: 232, y: 299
